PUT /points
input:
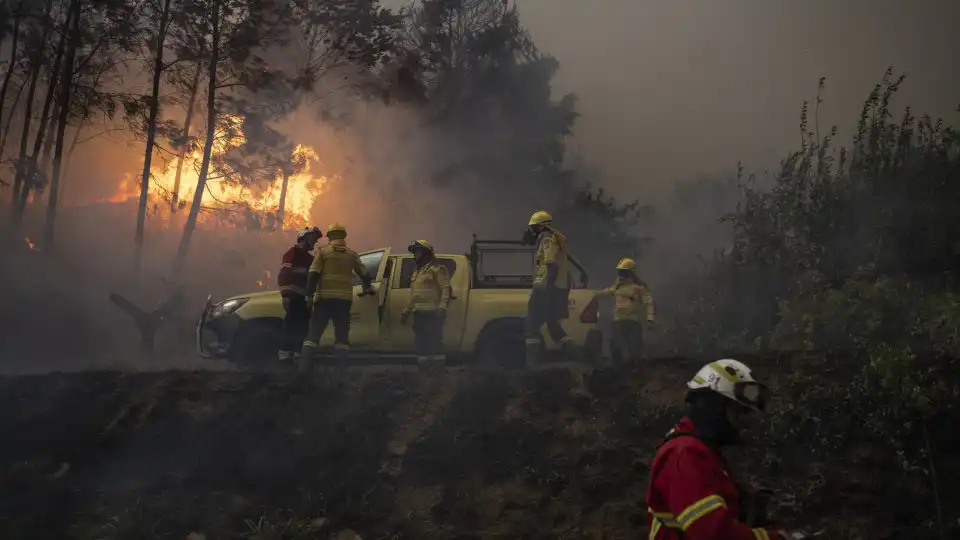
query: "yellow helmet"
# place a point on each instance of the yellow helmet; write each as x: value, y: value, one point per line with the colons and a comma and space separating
x: 336, y: 231
x: 420, y: 244
x: 540, y: 217
x: 626, y: 264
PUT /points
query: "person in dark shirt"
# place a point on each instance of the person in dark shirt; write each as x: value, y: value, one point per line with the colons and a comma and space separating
x: 292, y: 281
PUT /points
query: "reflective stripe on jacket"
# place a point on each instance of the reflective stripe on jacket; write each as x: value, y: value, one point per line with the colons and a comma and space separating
x: 552, y: 249
x: 336, y: 264
x: 430, y: 287
x: 292, y: 278
x: 691, y: 495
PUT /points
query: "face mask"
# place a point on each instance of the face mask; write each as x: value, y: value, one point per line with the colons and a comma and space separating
x: 529, y: 238
x: 624, y: 274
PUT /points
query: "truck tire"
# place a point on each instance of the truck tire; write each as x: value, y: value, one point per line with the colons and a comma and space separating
x: 256, y: 343
x: 501, y: 344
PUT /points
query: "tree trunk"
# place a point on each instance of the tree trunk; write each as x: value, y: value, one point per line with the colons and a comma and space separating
x: 22, y: 166
x: 151, y: 134
x: 6, y: 127
x: 11, y: 66
x: 283, y: 197
x: 191, y: 224
x: 47, y: 114
x: 66, y: 162
x: 66, y: 78
x: 194, y: 87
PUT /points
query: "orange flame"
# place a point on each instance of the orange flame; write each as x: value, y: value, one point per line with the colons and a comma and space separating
x: 30, y: 243
x: 226, y: 194
x: 262, y: 282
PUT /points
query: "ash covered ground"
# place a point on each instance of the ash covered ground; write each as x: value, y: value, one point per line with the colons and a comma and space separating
x: 561, y: 452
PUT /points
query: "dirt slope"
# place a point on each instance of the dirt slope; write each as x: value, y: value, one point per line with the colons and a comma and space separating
x: 557, y: 453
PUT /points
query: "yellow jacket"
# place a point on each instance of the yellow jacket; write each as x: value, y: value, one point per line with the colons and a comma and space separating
x: 632, y: 300
x: 429, y: 288
x: 336, y: 264
x: 552, y: 249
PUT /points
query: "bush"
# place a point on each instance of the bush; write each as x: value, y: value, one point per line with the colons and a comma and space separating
x: 852, y: 253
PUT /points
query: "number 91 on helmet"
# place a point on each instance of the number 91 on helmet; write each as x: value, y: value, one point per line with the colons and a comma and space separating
x: 733, y: 380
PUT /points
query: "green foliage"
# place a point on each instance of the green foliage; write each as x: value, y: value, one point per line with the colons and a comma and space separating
x: 852, y: 253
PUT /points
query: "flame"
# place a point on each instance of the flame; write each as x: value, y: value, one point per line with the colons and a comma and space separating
x: 262, y: 282
x: 227, y: 195
x: 30, y: 243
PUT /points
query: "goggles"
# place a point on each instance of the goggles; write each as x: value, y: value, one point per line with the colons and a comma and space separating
x: 752, y: 394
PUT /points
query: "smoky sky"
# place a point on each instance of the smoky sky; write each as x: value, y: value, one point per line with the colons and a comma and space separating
x: 670, y: 89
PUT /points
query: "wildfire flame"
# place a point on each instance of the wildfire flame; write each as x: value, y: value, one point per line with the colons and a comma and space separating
x: 262, y: 282
x: 224, y: 194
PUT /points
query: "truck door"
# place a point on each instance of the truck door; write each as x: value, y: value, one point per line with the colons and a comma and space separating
x: 366, y: 310
x: 400, y: 337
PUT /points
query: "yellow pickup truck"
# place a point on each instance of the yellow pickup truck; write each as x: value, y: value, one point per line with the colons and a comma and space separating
x: 491, y: 285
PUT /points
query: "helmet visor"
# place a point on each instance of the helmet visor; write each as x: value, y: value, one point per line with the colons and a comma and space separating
x: 414, y: 246
x: 752, y: 394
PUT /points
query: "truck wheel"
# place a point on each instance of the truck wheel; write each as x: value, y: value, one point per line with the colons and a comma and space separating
x: 501, y: 344
x: 255, y: 344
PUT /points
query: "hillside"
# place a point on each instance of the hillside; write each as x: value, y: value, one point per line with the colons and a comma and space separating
x: 391, y: 453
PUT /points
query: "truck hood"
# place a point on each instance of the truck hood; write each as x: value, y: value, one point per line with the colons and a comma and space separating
x: 258, y: 294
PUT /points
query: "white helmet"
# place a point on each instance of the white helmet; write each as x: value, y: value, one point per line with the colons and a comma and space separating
x: 309, y: 230
x: 733, y: 379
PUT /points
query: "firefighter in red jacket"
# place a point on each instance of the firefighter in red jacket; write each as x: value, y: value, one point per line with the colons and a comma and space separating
x: 691, y: 495
x: 292, y: 281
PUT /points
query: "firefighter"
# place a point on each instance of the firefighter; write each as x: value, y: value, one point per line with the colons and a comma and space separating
x: 633, y: 305
x: 691, y: 495
x: 551, y: 287
x: 330, y: 294
x: 292, y: 281
x: 429, y: 299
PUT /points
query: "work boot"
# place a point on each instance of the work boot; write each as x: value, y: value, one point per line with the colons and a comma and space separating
x: 423, y: 363
x: 342, y: 354
x: 305, y: 360
x: 533, y: 353
x: 568, y: 351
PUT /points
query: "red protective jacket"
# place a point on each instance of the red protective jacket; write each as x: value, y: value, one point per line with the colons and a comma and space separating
x: 292, y: 279
x: 691, y: 495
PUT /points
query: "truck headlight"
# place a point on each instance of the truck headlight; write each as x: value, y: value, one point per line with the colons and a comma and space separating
x: 227, y: 307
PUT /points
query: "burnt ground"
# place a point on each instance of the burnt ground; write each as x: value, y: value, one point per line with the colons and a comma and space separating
x: 394, y: 454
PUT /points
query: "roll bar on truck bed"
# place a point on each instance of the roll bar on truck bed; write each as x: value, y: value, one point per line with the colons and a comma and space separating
x: 509, y: 264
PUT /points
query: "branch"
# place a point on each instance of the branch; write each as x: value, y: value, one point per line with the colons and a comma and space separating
x: 102, y: 133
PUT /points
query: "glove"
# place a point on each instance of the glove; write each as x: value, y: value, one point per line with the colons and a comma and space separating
x: 404, y: 317
x: 442, y: 314
x: 308, y: 302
